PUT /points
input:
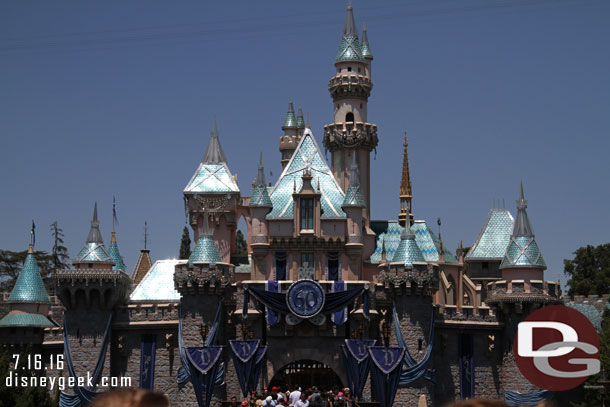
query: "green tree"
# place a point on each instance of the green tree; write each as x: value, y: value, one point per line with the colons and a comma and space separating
x: 59, y: 252
x: 12, y: 262
x: 21, y: 396
x: 185, y: 244
x: 589, y: 271
x: 241, y: 245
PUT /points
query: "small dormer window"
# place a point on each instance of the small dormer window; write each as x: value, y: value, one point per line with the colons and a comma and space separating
x: 307, y: 213
x: 349, y: 69
x: 349, y: 117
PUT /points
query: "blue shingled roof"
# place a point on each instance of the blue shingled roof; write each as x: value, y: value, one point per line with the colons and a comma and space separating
x: 93, y: 252
x: 494, y: 236
x: 158, y: 283
x: 306, y: 156
x: 29, y: 286
x: 212, y: 178
x: 25, y: 319
x: 408, y: 252
x: 523, y: 251
x: 205, y: 251
x: 113, y: 250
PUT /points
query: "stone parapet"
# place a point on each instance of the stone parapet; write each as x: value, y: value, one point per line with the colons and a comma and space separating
x: 350, y: 135
x: 534, y: 291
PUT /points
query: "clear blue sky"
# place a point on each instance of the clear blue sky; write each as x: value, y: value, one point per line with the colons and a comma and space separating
x: 117, y: 98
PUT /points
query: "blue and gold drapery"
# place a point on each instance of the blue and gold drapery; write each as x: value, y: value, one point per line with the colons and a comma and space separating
x: 83, y: 395
x: 385, y: 372
x: 415, y: 370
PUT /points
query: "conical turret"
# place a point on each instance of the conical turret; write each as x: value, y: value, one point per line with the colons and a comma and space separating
x: 113, y: 248
x: 353, y: 195
x: 406, y: 193
x: 205, y: 250
x: 94, y: 250
x: 214, y: 153
x: 29, y: 286
x: 349, y: 48
x: 408, y: 251
x: 522, y: 250
x: 290, y: 122
x: 300, y: 120
x: 366, y: 48
x: 260, y: 195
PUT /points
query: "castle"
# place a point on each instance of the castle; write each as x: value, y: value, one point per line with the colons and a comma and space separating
x: 459, y: 311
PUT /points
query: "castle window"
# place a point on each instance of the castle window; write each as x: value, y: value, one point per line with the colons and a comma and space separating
x: 358, y: 70
x: 280, y: 266
x: 307, y: 260
x: 349, y: 117
x: 349, y: 69
x: 332, y: 262
x: 307, y: 213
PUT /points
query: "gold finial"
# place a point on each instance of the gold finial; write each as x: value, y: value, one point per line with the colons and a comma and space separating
x: 406, y: 193
x: 32, y: 237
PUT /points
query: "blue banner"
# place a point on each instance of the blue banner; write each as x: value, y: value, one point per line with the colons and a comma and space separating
x: 385, y: 372
x: 466, y: 360
x: 339, y: 317
x: 355, y: 355
x: 203, y: 358
x: 147, y: 361
x: 247, y: 358
x: 272, y: 316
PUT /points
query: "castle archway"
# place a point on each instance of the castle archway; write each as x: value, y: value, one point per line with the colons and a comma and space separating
x: 306, y: 373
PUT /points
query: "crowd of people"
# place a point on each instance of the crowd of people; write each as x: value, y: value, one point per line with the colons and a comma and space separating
x: 297, y: 397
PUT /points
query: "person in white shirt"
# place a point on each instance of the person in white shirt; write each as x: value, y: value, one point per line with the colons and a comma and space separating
x: 303, y: 402
x: 295, y: 396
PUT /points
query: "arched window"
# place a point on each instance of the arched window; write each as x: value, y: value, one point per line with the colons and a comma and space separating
x: 349, y: 117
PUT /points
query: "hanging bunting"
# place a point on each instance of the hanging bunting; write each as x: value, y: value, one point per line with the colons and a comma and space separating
x: 415, y: 370
x: 385, y: 372
x: 339, y: 317
x: 272, y: 316
x: 203, y: 365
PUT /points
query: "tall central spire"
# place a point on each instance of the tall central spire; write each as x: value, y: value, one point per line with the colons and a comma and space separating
x: 94, y: 235
x: 350, y: 48
x: 214, y: 153
x: 406, y: 194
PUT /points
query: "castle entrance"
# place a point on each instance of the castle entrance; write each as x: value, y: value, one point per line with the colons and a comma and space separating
x: 305, y: 374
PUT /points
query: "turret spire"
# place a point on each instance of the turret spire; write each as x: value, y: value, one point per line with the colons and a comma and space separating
x: 349, y: 49
x: 260, y: 195
x: 94, y: 233
x: 406, y: 193
x: 366, y: 48
x: 214, y: 153
x: 300, y: 120
x: 113, y: 248
x: 522, y: 250
x: 353, y: 196
x: 290, y: 122
x: 407, y: 251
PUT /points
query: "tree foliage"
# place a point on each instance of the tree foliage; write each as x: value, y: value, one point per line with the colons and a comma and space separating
x: 241, y: 245
x: 185, y: 244
x: 21, y: 396
x: 589, y: 271
x: 59, y: 252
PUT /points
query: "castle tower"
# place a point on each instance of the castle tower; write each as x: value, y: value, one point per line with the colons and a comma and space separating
x: 260, y: 206
x: 351, y: 133
x: 293, y: 130
x: 90, y: 293
x: 212, y: 191
x: 28, y: 306
x: 523, y: 260
x: 406, y: 194
x: 353, y: 203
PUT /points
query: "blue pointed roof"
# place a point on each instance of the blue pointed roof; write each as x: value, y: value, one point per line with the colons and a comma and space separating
x: 260, y: 195
x: 349, y: 48
x: 522, y: 250
x: 307, y: 156
x: 494, y: 236
x: 205, y: 251
x: 300, y: 119
x: 408, y: 251
x: 353, y: 196
x: 366, y: 48
x: 113, y: 251
x: 158, y: 283
x: 212, y: 175
x: 428, y: 243
x: 94, y: 250
x: 290, y: 122
x: 25, y: 319
x: 29, y: 286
